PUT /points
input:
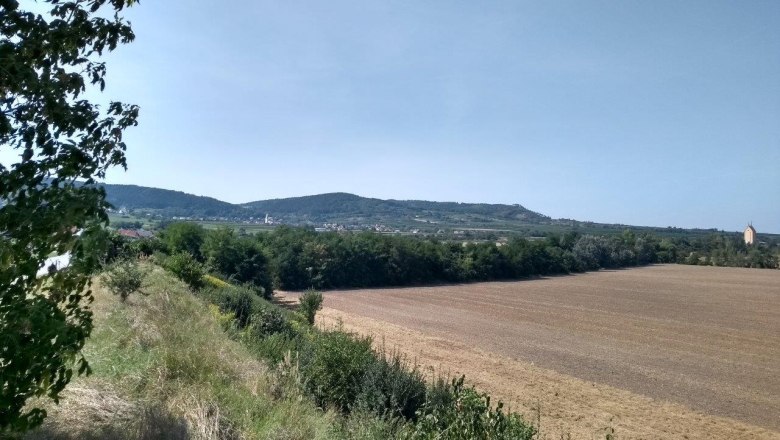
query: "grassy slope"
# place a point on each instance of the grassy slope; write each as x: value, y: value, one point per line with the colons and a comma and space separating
x: 164, y: 368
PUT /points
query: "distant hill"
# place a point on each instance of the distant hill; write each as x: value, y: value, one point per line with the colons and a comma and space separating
x: 344, y: 206
x: 332, y: 207
x: 353, y: 210
x: 168, y: 202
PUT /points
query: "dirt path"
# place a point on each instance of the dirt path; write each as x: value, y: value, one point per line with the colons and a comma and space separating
x: 658, y: 352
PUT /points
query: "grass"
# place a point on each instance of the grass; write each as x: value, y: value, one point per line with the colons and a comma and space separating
x: 167, y: 365
x: 164, y: 368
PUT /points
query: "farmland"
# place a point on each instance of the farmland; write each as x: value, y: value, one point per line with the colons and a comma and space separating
x: 662, y: 351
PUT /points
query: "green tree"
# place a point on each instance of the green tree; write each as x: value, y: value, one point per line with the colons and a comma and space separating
x: 185, y: 237
x: 238, y: 258
x: 65, y: 142
x: 186, y: 268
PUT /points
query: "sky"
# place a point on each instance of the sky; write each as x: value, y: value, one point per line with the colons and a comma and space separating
x: 661, y: 113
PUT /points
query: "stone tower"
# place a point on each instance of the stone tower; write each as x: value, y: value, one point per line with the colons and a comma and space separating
x: 750, y: 235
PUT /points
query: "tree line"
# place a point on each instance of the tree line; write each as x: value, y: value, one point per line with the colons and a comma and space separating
x: 290, y: 258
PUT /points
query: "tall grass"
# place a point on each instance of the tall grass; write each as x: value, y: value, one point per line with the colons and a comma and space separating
x: 173, y: 372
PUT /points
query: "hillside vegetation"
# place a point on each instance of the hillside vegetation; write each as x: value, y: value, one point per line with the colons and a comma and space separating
x: 332, y: 207
x: 297, y: 258
x: 222, y: 363
x: 163, y: 367
x: 171, y: 203
x: 471, y: 220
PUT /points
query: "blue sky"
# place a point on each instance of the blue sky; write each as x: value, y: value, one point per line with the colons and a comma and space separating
x: 649, y: 113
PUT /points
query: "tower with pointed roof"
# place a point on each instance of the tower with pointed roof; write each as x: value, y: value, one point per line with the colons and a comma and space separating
x: 750, y: 234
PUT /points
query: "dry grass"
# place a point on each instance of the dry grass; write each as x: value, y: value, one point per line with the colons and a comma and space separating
x: 165, y: 369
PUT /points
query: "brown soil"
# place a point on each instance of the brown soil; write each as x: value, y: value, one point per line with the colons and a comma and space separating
x: 659, y: 352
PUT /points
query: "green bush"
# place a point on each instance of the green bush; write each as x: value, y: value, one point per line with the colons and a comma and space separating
x: 381, y: 395
x: 310, y: 302
x: 186, y: 268
x: 267, y: 321
x: 333, y: 367
x: 124, y: 277
x: 145, y: 246
x: 468, y: 417
x: 240, y: 301
x: 392, y: 387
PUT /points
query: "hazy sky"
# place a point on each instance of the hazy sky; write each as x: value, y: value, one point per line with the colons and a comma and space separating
x: 639, y: 112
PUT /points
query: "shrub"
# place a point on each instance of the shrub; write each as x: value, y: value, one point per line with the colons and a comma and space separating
x: 239, y: 301
x: 124, y: 277
x: 267, y: 321
x: 310, y: 302
x: 468, y: 417
x: 145, y: 246
x: 186, y: 268
x: 392, y: 387
x: 333, y: 367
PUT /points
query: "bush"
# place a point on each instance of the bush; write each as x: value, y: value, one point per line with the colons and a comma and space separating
x: 247, y: 306
x: 267, y: 321
x: 186, y: 268
x: 468, y: 417
x: 310, y: 302
x: 333, y: 368
x: 392, y: 387
x: 145, y: 246
x: 239, y: 301
x: 124, y: 277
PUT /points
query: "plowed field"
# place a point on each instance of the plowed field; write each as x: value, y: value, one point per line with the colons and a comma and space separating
x: 658, y: 352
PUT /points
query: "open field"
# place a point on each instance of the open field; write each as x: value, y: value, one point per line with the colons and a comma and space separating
x: 658, y: 352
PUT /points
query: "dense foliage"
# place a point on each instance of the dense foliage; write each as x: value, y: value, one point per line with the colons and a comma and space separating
x: 302, y: 258
x: 342, y: 371
x: 299, y: 258
x: 238, y: 259
x: 49, y: 61
x: 471, y: 418
x: 186, y: 267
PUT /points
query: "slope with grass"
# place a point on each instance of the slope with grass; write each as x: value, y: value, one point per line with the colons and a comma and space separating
x: 164, y: 368
x: 179, y: 363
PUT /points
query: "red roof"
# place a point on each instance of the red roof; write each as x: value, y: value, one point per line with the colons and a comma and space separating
x: 129, y: 233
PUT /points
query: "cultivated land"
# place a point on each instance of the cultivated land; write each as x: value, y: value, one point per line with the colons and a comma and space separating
x: 659, y: 352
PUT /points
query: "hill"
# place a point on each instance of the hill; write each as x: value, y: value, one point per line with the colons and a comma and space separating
x: 356, y: 212
x: 171, y: 203
x: 316, y: 209
x: 344, y: 207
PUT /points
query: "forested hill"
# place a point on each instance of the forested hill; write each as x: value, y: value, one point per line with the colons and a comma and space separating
x: 333, y: 207
x: 168, y: 202
x: 344, y: 206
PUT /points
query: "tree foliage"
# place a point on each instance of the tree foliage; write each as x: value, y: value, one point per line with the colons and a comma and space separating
x: 185, y: 237
x: 237, y: 258
x: 47, y: 63
x: 310, y: 303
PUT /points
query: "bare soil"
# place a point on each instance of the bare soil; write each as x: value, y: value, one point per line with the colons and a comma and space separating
x: 665, y: 351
